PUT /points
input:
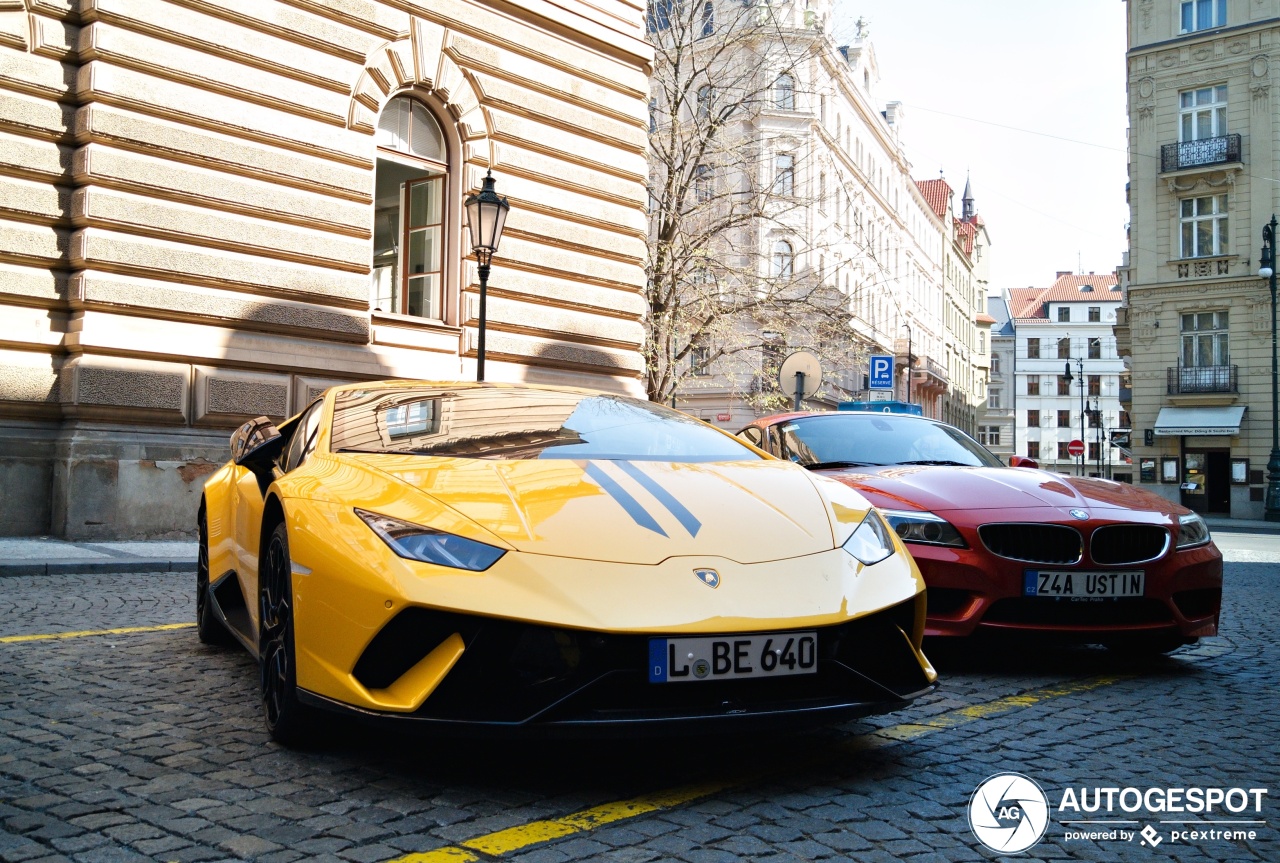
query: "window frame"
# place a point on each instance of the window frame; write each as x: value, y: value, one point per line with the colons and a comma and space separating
x: 1189, y: 226
x: 1189, y: 18
x: 431, y: 170
x: 784, y: 92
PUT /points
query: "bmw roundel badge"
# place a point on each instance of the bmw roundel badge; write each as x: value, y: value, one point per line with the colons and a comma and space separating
x: 1080, y: 514
x: 709, y: 577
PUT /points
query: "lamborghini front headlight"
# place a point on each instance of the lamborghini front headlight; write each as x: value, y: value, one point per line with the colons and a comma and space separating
x: 871, y: 542
x: 415, y: 542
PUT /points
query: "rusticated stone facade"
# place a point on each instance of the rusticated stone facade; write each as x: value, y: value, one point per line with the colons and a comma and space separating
x: 188, y: 236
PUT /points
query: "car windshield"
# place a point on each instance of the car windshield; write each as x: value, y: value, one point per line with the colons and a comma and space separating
x: 497, y: 422
x: 839, y: 440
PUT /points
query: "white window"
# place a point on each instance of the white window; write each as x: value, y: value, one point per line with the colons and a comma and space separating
x: 1064, y: 314
x: 783, y: 259
x: 705, y: 94
x: 409, y: 211
x: 1203, y: 14
x: 784, y: 93
x: 708, y: 18
x: 784, y: 174
x: 1203, y: 113
x: 1204, y: 226
x: 1204, y: 340
x: 822, y: 192
x: 700, y: 360
x: 702, y: 189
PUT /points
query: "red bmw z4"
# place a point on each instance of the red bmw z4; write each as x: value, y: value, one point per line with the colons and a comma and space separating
x: 1017, y: 549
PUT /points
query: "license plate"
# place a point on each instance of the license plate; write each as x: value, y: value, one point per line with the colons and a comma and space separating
x: 1083, y: 585
x: 676, y: 660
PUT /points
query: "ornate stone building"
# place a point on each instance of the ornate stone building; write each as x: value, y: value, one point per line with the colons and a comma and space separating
x: 214, y: 210
x: 1196, y: 326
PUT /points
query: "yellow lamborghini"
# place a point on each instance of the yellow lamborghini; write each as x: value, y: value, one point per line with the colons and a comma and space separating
x: 485, y: 555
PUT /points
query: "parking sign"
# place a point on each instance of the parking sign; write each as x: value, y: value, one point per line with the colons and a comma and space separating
x: 881, y: 377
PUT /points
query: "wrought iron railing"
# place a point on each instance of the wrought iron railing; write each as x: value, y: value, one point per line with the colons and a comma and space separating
x: 1202, y: 379
x: 1195, y: 154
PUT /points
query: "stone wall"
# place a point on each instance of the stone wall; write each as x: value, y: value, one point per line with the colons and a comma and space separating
x: 186, y: 212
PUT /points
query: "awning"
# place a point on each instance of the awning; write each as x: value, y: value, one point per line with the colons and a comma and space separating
x: 1223, y: 420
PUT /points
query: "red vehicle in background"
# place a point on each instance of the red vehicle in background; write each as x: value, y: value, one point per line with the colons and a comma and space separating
x: 1006, y: 549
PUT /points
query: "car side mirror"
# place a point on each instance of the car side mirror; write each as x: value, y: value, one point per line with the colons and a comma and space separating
x: 256, y: 444
x: 1022, y: 461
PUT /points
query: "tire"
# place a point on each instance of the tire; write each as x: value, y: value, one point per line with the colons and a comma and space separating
x: 288, y: 722
x: 208, y: 628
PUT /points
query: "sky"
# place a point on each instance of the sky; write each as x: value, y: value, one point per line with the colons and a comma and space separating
x: 1027, y: 99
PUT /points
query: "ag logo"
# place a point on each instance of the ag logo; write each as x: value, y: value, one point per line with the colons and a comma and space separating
x: 1008, y: 813
x: 709, y: 577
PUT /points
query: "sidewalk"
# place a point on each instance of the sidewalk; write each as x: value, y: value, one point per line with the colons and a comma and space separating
x: 1221, y: 524
x: 47, y: 556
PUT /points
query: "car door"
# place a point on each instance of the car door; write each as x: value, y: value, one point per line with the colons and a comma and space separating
x: 250, y: 501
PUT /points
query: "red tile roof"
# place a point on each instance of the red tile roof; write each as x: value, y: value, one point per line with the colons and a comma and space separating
x: 1031, y: 302
x: 937, y: 194
x: 984, y: 318
x: 965, y: 234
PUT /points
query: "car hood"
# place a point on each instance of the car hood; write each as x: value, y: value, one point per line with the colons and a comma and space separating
x: 623, y: 511
x: 938, y: 488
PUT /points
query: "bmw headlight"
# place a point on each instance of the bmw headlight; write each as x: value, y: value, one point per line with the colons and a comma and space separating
x: 871, y: 542
x: 923, y: 527
x: 1192, y: 530
x: 415, y: 542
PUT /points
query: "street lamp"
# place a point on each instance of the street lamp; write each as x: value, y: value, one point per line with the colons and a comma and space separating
x: 910, y: 359
x: 486, y: 215
x: 1080, y: 365
x: 1267, y: 269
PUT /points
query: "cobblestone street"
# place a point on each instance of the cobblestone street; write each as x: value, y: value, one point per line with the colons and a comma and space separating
x: 145, y: 744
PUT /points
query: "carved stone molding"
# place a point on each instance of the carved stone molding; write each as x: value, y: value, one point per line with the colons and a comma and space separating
x: 1202, y: 183
x: 1144, y: 13
x: 1260, y: 68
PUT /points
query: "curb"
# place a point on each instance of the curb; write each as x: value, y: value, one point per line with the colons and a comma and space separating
x: 115, y: 566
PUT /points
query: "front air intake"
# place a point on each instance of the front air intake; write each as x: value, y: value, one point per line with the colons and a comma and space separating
x: 1034, y: 543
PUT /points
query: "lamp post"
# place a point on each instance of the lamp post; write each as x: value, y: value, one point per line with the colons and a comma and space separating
x: 1080, y: 365
x: 909, y: 361
x: 1267, y: 269
x: 486, y: 216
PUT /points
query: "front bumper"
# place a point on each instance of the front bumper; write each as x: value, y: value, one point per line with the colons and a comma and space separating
x: 972, y: 590
x: 519, y: 676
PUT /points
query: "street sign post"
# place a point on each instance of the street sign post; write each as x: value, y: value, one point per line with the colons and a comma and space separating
x: 881, y: 376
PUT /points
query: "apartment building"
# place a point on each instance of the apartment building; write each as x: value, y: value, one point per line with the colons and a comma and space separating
x: 1196, y: 327
x: 1067, y: 375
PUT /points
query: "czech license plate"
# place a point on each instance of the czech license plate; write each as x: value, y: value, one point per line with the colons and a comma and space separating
x: 676, y: 660
x: 1083, y: 585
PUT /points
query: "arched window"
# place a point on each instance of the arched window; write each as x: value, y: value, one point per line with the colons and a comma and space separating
x: 410, y: 188
x: 784, y: 93
x: 783, y: 259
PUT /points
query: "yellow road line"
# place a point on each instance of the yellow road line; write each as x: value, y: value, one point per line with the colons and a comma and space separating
x: 124, y: 630
x: 524, y: 836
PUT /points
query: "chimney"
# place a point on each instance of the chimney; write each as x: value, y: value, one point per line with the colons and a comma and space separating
x: 1062, y: 273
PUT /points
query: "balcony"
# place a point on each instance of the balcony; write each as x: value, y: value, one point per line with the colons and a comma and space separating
x: 1223, y: 150
x: 1192, y: 380
x: 930, y: 374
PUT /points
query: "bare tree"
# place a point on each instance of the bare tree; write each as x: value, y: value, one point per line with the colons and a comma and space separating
x: 729, y: 271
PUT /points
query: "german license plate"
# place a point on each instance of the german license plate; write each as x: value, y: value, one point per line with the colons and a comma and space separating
x: 1083, y: 585
x: 677, y: 660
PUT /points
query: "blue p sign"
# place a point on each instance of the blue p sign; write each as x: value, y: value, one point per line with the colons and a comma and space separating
x: 881, y: 377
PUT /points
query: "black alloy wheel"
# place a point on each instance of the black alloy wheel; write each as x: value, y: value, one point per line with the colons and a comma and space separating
x: 288, y: 722
x: 208, y: 628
